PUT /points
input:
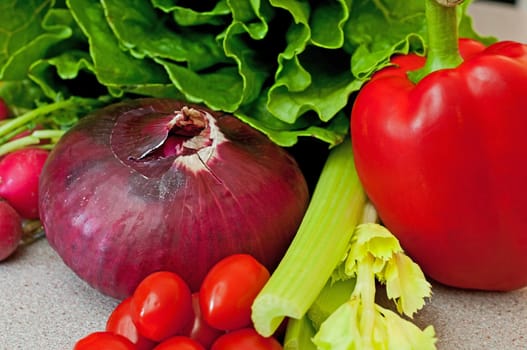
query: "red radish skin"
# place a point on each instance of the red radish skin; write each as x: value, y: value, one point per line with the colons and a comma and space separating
x: 10, y: 230
x: 19, y: 177
x: 4, y: 110
x: 157, y: 184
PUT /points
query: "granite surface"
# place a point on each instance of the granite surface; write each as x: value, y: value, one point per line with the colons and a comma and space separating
x: 43, y: 305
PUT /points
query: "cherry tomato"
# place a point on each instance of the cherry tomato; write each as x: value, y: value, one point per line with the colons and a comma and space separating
x: 120, y: 322
x: 19, y: 175
x: 104, y: 341
x: 245, y: 339
x: 179, y: 343
x: 161, y: 306
x: 229, y: 289
x: 201, y: 331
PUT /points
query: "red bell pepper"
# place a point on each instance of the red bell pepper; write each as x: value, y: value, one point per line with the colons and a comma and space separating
x: 442, y: 154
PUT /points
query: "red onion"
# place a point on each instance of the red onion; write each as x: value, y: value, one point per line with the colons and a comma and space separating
x: 158, y: 184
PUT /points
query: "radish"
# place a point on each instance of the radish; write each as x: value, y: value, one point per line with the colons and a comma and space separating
x: 10, y: 230
x: 4, y: 110
x: 19, y: 175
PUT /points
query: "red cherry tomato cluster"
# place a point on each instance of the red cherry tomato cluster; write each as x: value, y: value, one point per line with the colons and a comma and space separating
x: 163, y: 313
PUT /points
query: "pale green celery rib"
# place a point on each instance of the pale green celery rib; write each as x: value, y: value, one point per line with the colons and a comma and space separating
x: 331, y: 297
x: 299, y: 335
x: 319, y: 246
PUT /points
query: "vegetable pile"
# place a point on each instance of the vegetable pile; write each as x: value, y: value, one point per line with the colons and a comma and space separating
x: 169, y: 122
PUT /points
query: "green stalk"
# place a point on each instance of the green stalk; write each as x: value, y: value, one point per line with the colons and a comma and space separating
x: 299, y: 335
x: 48, y: 134
x: 43, y: 114
x: 365, y: 291
x: 34, y: 114
x: 443, y: 35
x: 318, y: 247
x: 18, y: 144
x: 31, y: 140
x: 331, y: 297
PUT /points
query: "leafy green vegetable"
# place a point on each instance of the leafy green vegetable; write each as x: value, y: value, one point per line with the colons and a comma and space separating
x: 289, y: 68
x: 113, y: 67
x: 25, y: 35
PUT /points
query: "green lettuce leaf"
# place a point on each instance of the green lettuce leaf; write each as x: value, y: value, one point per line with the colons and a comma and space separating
x: 186, y: 16
x: 288, y: 68
x: 377, y: 29
x: 67, y: 66
x: 115, y: 68
x: 311, y: 73
x: 27, y: 32
x: 140, y: 31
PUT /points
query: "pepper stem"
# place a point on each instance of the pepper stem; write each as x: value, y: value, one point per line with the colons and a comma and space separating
x: 443, y: 36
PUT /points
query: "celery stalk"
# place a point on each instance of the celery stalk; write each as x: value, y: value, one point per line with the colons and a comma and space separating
x: 331, y: 297
x: 320, y: 244
x: 299, y: 334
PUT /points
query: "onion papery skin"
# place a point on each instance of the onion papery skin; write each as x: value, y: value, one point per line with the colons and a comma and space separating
x: 115, y: 218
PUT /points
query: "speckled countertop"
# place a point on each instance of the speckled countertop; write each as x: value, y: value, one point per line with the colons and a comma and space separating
x: 44, y: 306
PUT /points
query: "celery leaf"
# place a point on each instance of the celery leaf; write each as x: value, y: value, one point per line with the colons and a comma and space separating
x: 374, y: 254
x: 406, y: 284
